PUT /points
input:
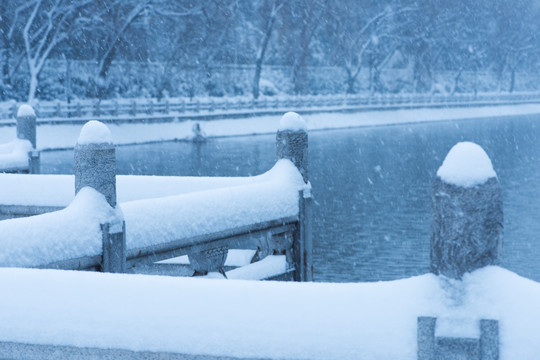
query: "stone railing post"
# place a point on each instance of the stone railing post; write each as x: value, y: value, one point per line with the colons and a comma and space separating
x: 26, y: 130
x: 26, y: 124
x: 34, y: 162
x: 302, y: 239
x: 13, y: 110
x: 432, y: 347
x: 133, y: 108
x: 166, y: 106
x: 114, y: 247
x: 466, y: 234
x: 95, y: 161
x: 95, y: 166
x: 467, y: 214
x: 292, y: 142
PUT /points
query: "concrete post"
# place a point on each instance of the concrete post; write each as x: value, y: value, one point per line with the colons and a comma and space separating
x: 302, y: 239
x: 97, y: 108
x: 13, y: 110
x: 426, y: 338
x: 26, y: 130
x: 166, y: 106
x: 26, y: 124
x: 78, y: 107
x: 467, y: 215
x: 133, y: 108
x: 34, y: 166
x: 432, y: 347
x: 489, y: 339
x: 292, y: 142
x: 114, y: 247
x: 95, y: 161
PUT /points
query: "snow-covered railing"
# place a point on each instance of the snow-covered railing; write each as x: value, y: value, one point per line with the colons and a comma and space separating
x: 170, y: 108
x: 269, y: 213
x: 20, y: 155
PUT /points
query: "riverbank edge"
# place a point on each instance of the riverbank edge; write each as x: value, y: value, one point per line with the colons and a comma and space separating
x: 63, y: 136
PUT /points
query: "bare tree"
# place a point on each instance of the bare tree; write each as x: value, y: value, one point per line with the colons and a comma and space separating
x: 300, y: 21
x: 357, y: 30
x: 263, y: 26
x: 11, y: 51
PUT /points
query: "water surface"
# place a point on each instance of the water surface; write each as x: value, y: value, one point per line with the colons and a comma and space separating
x: 372, y: 188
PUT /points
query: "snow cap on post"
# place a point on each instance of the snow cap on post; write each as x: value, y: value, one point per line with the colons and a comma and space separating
x: 95, y: 161
x: 466, y: 165
x: 94, y: 132
x: 467, y: 215
x: 26, y: 124
x: 292, y: 142
x: 292, y: 121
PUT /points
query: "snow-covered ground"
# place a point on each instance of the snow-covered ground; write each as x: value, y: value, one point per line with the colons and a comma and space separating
x: 65, y: 136
x: 264, y: 319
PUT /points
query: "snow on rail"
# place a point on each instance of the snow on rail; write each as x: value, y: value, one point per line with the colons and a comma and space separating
x: 70, y: 233
x: 59, y: 190
x: 166, y: 219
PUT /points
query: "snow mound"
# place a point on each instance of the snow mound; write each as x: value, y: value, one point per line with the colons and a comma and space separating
x: 25, y: 110
x: 292, y: 121
x: 61, y: 235
x: 14, y: 155
x: 376, y: 321
x: 94, y: 132
x: 466, y: 165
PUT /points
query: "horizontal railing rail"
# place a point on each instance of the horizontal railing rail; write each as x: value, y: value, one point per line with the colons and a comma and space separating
x: 245, y: 237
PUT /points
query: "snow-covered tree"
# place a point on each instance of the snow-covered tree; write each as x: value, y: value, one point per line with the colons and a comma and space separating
x: 357, y: 30
x: 260, y: 20
x: 47, y: 23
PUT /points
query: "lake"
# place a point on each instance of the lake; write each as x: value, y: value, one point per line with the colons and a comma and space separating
x: 371, y: 188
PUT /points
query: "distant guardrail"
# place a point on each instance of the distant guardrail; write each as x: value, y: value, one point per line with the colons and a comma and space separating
x: 168, y: 109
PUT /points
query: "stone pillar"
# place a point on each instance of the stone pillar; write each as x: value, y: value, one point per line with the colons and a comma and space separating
x: 467, y: 214
x: 302, y: 239
x: 292, y: 142
x: 34, y: 166
x: 489, y: 339
x: 114, y: 247
x: 426, y: 338
x: 432, y: 347
x: 26, y: 124
x: 95, y: 161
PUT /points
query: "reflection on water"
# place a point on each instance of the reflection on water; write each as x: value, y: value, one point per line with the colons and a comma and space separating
x: 371, y: 186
